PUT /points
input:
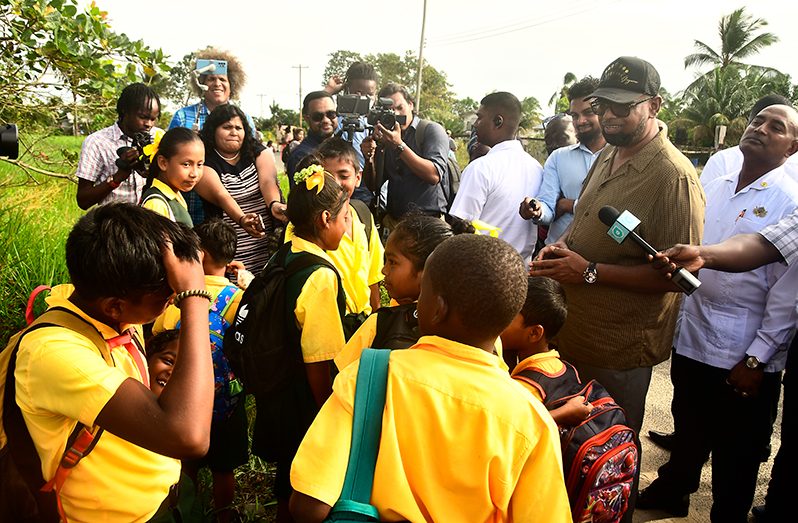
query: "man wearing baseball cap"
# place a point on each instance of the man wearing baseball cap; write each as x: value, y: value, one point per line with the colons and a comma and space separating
x: 620, y: 319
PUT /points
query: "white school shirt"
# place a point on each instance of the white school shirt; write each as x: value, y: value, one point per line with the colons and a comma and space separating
x: 491, y: 189
x: 730, y: 161
x: 753, y: 313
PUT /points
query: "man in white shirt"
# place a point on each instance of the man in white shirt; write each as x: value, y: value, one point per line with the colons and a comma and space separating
x: 733, y: 334
x: 730, y: 161
x: 566, y: 168
x: 490, y: 186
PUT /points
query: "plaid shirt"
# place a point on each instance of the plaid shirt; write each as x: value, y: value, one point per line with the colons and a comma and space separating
x: 784, y: 236
x: 97, y: 164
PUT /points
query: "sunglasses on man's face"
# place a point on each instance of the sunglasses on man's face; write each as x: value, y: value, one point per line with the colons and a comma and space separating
x: 317, y: 117
x: 600, y: 106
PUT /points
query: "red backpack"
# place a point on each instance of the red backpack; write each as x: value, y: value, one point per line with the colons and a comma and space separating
x: 600, y: 455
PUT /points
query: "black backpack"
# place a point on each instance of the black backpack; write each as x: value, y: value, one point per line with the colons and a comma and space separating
x: 452, y: 182
x: 263, y: 348
x: 600, y: 455
x: 397, y: 327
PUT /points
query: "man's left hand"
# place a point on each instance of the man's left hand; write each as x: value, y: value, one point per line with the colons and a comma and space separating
x: 745, y: 381
x: 566, y: 267
x: 387, y: 137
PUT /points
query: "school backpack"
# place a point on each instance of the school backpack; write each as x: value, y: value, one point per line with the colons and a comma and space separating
x: 397, y: 327
x: 600, y: 455
x: 227, y: 388
x: 263, y: 347
x: 452, y: 182
x: 24, y: 495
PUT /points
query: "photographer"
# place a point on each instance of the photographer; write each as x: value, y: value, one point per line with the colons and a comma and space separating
x: 415, y: 171
x: 100, y: 179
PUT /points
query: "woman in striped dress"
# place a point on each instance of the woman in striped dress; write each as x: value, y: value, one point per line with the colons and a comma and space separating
x: 246, y: 169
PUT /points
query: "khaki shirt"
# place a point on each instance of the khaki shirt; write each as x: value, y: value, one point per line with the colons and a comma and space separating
x: 610, y: 327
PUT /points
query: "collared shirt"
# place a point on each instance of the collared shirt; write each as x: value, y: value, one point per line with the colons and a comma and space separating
x: 62, y: 379
x: 753, y: 313
x: 449, y: 450
x: 160, y: 206
x: 358, y: 260
x: 317, y: 307
x: 97, y: 164
x: 406, y: 191
x: 784, y: 236
x: 197, y: 113
x: 615, y: 328
x: 563, y: 173
x: 489, y: 187
x: 548, y: 362
x: 305, y: 147
x: 730, y: 161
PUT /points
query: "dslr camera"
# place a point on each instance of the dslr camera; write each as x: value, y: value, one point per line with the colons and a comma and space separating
x: 9, y: 141
x: 142, y: 161
x: 384, y: 114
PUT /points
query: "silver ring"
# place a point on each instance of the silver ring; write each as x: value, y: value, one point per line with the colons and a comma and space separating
x: 744, y: 394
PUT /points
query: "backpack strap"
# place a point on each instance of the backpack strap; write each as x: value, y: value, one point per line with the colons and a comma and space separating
x: 421, y: 130
x: 159, y: 196
x: 370, y: 390
x: 82, y: 439
x: 550, y: 386
x: 364, y: 214
x: 29, y: 317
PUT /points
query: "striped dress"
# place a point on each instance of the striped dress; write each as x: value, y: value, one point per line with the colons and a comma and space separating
x: 241, y: 181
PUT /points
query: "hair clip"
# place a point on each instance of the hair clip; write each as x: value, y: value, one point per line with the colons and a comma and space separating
x: 313, y: 176
x: 150, y: 150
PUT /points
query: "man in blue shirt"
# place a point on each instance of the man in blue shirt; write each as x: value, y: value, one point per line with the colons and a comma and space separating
x: 566, y: 168
x: 318, y: 110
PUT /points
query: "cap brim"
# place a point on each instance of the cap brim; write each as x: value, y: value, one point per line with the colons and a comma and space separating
x: 620, y: 96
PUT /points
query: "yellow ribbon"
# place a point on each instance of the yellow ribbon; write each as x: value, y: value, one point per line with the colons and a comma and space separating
x: 150, y: 150
x: 313, y: 176
x: 482, y: 227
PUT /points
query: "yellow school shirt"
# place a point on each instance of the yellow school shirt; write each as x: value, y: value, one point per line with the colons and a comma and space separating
x: 364, y: 337
x: 316, y: 311
x: 358, y: 260
x: 61, y: 379
x: 160, y: 206
x: 548, y: 362
x: 214, y: 284
x: 460, y: 441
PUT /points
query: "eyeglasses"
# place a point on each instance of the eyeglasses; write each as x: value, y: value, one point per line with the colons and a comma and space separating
x: 317, y: 117
x: 600, y: 106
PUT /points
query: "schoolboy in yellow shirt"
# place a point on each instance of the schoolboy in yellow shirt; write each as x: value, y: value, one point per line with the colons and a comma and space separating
x: 125, y: 263
x: 460, y: 440
x: 359, y: 259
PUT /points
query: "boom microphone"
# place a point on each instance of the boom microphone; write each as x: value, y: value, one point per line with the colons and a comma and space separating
x: 622, y: 226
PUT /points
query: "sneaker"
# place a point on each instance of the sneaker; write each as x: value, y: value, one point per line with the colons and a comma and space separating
x: 652, y: 498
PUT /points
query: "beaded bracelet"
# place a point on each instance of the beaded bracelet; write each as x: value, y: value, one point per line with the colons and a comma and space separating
x: 180, y: 296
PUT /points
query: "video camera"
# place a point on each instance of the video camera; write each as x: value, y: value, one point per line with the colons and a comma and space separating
x: 352, y: 108
x: 384, y: 114
x: 142, y: 162
x: 9, y: 141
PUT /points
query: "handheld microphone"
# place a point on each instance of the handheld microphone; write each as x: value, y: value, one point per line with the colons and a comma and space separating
x: 622, y: 226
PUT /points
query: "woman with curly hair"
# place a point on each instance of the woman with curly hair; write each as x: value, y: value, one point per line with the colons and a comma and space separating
x: 246, y: 170
x: 213, y: 90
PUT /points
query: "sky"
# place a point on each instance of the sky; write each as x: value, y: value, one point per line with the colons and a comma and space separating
x: 525, y: 47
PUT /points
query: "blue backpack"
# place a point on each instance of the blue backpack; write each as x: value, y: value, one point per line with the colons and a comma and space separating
x: 227, y: 388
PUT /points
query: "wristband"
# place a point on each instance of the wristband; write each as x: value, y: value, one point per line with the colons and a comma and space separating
x: 180, y: 296
x: 113, y: 184
x: 241, y: 219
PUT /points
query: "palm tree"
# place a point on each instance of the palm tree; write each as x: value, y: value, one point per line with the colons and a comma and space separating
x: 559, y: 100
x: 738, y: 39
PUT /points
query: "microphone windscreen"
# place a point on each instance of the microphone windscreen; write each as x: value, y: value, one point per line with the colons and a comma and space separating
x: 608, y: 214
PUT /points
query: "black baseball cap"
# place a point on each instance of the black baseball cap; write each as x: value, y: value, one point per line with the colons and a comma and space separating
x: 625, y: 79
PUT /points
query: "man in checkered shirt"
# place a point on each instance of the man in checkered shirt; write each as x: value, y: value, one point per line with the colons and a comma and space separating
x: 100, y: 180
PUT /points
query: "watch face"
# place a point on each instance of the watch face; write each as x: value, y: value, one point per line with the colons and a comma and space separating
x: 590, y: 276
x: 751, y: 362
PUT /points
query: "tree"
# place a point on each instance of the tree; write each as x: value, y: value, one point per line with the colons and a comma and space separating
x: 58, y: 60
x: 175, y: 87
x: 530, y: 113
x: 338, y: 63
x: 559, y: 100
x: 739, y: 41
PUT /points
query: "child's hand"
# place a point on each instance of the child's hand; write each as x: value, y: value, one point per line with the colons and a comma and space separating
x: 182, y: 275
x: 573, y: 412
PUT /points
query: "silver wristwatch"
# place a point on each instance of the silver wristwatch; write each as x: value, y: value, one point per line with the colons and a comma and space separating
x: 591, y: 274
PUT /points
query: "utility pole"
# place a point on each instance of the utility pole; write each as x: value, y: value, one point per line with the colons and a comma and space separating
x: 261, y: 104
x: 300, y: 67
x: 421, y: 57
